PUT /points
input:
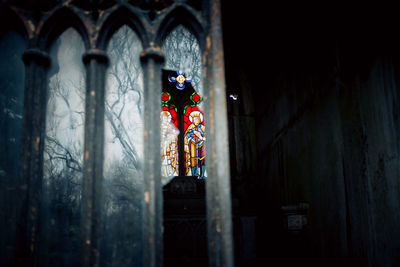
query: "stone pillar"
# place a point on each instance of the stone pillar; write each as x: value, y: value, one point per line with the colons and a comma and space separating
x: 30, y: 189
x: 96, y: 63
x: 218, y: 193
x: 152, y: 60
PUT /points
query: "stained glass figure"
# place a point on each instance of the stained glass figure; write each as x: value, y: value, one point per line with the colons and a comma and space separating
x: 169, y: 141
x: 194, y: 145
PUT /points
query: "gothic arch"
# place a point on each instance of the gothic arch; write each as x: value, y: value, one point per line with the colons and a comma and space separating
x: 125, y: 15
x: 180, y: 16
x: 14, y: 22
x: 57, y: 23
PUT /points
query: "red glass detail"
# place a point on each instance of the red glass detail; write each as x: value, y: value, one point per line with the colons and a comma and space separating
x: 164, y: 97
x: 196, y: 98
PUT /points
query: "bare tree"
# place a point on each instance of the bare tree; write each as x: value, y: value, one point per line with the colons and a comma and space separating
x: 125, y: 94
x: 123, y: 183
x: 63, y: 154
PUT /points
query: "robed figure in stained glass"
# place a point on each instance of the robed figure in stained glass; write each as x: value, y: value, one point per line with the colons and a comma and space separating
x: 194, y: 145
x: 169, y: 152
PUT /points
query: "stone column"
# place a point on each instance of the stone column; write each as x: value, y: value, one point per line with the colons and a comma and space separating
x: 218, y: 193
x: 96, y: 63
x: 152, y: 59
x: 30, y: 186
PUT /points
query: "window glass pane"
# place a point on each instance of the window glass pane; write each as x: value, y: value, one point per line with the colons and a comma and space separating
x: 123, y: 171
x: 63, y: 152
x: 12, y: 77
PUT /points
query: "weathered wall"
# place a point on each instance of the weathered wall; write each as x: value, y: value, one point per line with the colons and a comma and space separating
x: 328, y: 134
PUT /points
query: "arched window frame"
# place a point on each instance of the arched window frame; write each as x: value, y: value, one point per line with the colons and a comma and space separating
x: 96, y: 27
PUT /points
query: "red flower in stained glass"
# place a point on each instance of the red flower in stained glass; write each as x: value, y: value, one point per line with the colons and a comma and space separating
x: 195, y: 97
x: 164, y: 97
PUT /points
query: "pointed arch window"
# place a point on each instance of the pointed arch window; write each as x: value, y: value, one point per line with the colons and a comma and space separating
x: 123, y: 152
x: 63, y: 150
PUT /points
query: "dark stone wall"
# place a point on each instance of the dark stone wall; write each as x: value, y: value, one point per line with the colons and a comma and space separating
x: 321, y: 92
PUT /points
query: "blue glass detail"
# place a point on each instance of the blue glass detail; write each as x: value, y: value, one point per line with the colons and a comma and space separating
x: 180, y: 79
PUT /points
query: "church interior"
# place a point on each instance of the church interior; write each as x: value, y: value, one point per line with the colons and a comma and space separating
x: 313, y: 106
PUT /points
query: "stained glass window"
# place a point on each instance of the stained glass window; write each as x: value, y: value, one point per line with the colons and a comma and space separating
x: 181, y: 106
